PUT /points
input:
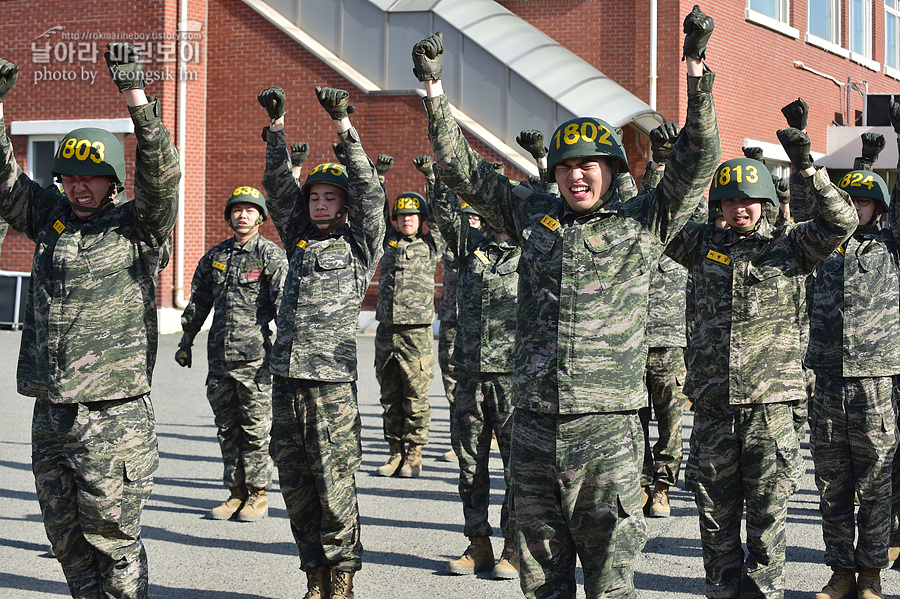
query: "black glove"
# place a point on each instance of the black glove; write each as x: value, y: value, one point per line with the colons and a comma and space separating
x: 662, y: 140
x: 125, y: 66
x: 8, y: 75
x: 697, y: 29
x: 272, y: 99
x: 532, y: 141
x: 299, y: 152
x: 424, y: 164
x: 753, y: 153
x: 782, y: 189
x: 340, y: 152
x: 536, y: 181
x: 796, y: 114
x: 872, y: 145
x: 428, y: 57
x: 336, y: 102
x: 183, y: 356
x: 796, y: 144
x: 384, y: 164
x: 894, y: 115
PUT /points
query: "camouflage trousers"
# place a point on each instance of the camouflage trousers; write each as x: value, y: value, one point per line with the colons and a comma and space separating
x: 93, y: 469
x: 852, y: 442
x: 895, y: 475
x: 743, y: 455
x: 317, y: 449
x: 664, y: 376
x: 483, y: 406
x: 240, y: 394
x: 449, y: 373
x: 404, y: 367
x: 577, y: 495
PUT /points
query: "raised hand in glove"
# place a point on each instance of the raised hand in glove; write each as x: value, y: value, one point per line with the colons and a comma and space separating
x: 336, y: 102
x: 8, y: 75
x: 782, y: 189
x: 796, y: 145
x: 753, y: 153
x: 384, y: 164
x: 532, y: 141
x: 428, y: 57
x: 125, y: 66
x: 698, y: 26
x: 299, y: 152
x: 424, y: 164
x: 796, y: 114
x: 662, y: 140
x: 894, y: 115
x: 872, y: 145
x: 340, y: 152
x: 273, y: 100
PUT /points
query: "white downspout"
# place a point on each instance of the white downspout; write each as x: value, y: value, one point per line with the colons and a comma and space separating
x: 180, y: 302
x: 653, y: 43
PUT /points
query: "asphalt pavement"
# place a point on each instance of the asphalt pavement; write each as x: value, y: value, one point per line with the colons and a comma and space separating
x: 411, y: 528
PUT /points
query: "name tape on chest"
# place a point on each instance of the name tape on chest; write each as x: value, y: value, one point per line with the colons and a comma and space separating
x: 717, y: 257
x: 59, y: 227
x: 392, y: 243
x: 218, y: 265
x: 302, y: 244
x: 550, y: 222
x: 481, y: 256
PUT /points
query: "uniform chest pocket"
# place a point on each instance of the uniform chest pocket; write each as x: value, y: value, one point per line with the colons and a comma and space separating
x: 767, y: 286
x: 334, y: 272
x: 251, y: 273
x: 538, y: 239
x: 873, y: 258
x: 616, y: 258
x: 333, y: 258
x: 105, y: 260
x: 508, y: 267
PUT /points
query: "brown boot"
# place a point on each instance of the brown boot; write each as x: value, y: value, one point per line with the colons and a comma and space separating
x: 477, y: 557
x: 842, y: 584
x: 256, y: 507
x: 412, y: 465
x: 228, y: 509
x: 659, y: 506
x: 318, y: 584
x: 869, y: 584
x: 450, y: 456
x: 894, y: 547
x: 341, y: 585
x: 645, y: 497
x: 508, y: 566
x: 394, y: 460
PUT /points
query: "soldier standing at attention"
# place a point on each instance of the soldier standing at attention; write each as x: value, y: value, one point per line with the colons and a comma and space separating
x: 332, y: 228
x: 90, y: 335
x: 583, y: 287
x: 404, y: 341
x: 748, y: 291
x: 854, y: 314
x: 240, y: 279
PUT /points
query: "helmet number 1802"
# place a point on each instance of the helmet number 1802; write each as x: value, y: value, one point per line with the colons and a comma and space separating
x: 588, y: 131
x: 82, y: 149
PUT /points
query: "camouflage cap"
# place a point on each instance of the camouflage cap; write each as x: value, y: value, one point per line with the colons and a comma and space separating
x: 90, y: 152
x: 410, y: 203
x: 741, y: 178
x: 583, y: 137
x: 249, y: 195
x: 866, y: 184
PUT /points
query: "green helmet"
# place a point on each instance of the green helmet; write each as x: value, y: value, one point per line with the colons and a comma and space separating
x: 583, y: 137
x: 467, y: 209
x: 90, y: 152
x: 866, y: 184
x: 741, y: 178
x: 410, y: 203
x: 327, y: 172
x: 715, y: 211
x: 249, y: 195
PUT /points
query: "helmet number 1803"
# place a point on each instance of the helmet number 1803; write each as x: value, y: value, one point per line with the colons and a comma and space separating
x: 82, y: 149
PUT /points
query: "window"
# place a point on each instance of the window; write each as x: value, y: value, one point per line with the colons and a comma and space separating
x: 892, y: 33
x: 775, y: 9
x: 40, y: 159
x: 824, y: 21
x: 861, y: 27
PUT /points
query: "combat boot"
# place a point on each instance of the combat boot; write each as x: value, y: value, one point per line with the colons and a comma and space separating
x: 477, y: 557
x: 256, y: 507
x: 659, y: 507
x: 231, y: 505
x: 412, y: 465
x: 318, y: 584
x: 394, y: 460
x: 508, y: 566
x: 450, y: 456
x: 894, y: 547
x: 341, y: 585
x: 869, y: 584
x: 645, y: 497
x: 842, y: 584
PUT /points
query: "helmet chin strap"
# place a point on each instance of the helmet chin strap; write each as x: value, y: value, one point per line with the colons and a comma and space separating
x: 110, y: 193
x: 331, y: 222
x: 246, y: 228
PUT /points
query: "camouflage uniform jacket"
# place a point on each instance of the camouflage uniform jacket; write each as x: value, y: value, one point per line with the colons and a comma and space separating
x: 748, y: 293
x: 406, y: 282
x: 854, y: 306
x: 328, y: 274
x: 242, y: 285
x: 584, y: 278
x: 449, y: 283
x: 488, y: 281
x: 90, y: 329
